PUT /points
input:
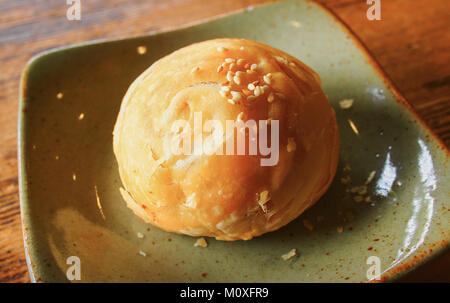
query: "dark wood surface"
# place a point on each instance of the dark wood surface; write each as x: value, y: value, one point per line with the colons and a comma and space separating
x: 412, y: 44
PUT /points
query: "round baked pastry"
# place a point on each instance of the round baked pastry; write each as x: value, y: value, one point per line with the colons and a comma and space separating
x: 209, y: 188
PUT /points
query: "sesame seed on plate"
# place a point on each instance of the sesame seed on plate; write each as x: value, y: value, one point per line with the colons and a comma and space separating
x: 292, y: 253
x: 141, y: 50
x: 346, y: 103
x: 201, y: 242
x: 230, y: 60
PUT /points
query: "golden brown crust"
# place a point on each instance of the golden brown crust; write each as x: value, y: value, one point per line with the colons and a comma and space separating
x: 228, y: 197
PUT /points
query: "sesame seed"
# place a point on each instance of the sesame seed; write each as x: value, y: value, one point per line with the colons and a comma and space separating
x: 264, y: 197
x: 225, y: 88
x: 230, y: 101
x: 141, y: 50
x: 140, y: 235
x: 230, y: 76
x: 270, y: 98
x: 257, y: 91
x: 232, y: 66
x: 281, y: 59
x: 221, y: 49
x: 253, y: 66
x: 237, y: 80
x: 251, y: 86
x: 201, y: 242
x: 74, y: 177
x: 230, y: 60
x: 267, y: 79
x: 220, y: 68
x: 81, y: 116
x: 240, y: 61
x: 59, y: 95
x: 223, y: 94
x: 240, y: 116
x: 236, y: 96
x: 142, y: 253
x: 249, y: 71
x: 346, y: 103
x: 371, y: 176
x: 292, y: 253
x: 251, y: 98
x: 195, y: 69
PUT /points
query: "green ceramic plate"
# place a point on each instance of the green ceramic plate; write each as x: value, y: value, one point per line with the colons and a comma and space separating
x: 69, y: 183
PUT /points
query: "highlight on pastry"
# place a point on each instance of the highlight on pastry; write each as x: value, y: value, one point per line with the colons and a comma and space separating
x: 226, y: 138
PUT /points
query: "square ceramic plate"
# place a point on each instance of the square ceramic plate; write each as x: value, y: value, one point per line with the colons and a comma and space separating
x: 69, y: 184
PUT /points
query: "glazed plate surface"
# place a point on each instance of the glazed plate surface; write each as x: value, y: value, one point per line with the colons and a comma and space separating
x: 69, y: 183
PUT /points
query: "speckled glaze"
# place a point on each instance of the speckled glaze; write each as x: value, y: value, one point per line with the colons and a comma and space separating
x: 69, y: 184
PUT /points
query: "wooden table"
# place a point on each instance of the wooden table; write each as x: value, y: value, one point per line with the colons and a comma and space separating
x: 411, y: 43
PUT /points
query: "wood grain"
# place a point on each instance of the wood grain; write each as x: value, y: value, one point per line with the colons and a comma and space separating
x: 411, y: 43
